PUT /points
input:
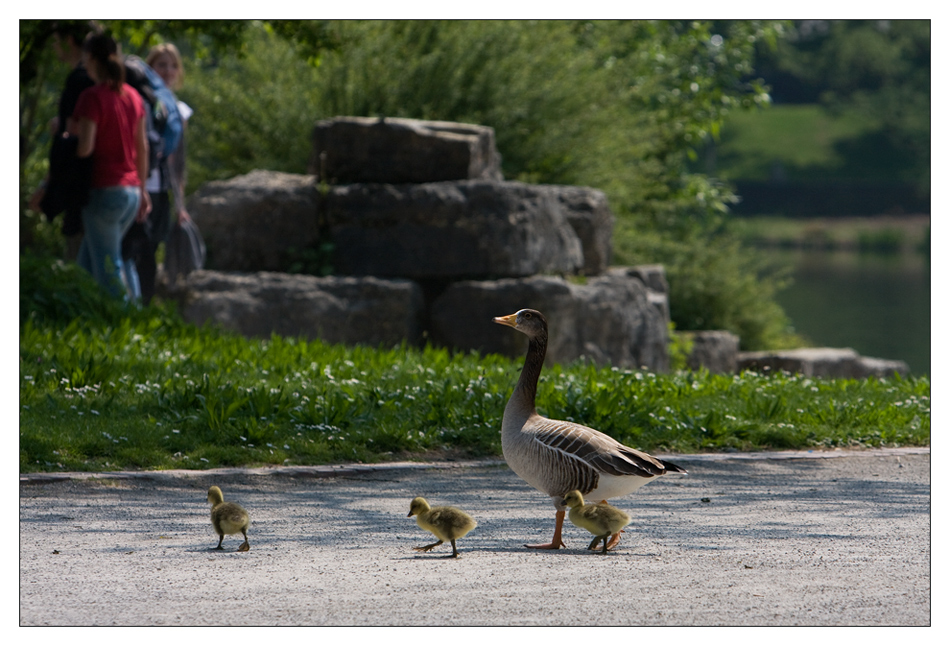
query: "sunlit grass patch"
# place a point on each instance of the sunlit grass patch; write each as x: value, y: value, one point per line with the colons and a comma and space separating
x: 180, y: 396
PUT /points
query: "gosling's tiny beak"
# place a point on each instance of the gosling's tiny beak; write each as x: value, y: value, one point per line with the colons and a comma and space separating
x: 409, y: 515
x: 511, y: 320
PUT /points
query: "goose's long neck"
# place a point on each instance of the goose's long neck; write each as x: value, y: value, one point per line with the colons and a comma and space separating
x: 527, y: 388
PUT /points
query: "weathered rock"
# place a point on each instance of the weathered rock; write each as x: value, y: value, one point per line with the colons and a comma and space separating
x: 352, y: 150
x: 822, y: 362
x: 450, y: 230
x: 608, y: 320
x: 715, y: 350
x: 654, y: 277
x: 334, y: 309
x: 255, y: 222
x: 589, y: 215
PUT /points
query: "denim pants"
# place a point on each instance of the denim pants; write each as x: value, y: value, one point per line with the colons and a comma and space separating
x: 105, y: 219
x: 140, y: 244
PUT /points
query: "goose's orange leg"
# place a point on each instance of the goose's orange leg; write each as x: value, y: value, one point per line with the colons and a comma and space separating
x: 556, y: 542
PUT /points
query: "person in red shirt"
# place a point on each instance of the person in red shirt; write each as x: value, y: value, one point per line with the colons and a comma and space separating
x: 110, y: 122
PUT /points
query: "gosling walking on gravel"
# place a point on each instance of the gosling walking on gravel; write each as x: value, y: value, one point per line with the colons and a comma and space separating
x: 601, y: 520
x: 447, y: 523
x: 228, y: 518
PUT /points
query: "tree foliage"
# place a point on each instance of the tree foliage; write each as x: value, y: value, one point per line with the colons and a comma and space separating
x: 880, y: 68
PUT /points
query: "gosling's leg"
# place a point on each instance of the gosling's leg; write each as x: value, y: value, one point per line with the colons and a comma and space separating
x: 426, y: 548
x: 593, y: 543
x: 604, y: 552
x: 556, y: 542
x: 455, y: 553
x: 220, y: 540
x: 245, y: 546
x: 614, y: 540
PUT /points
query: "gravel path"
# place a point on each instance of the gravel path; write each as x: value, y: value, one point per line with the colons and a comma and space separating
x: 795, y: 541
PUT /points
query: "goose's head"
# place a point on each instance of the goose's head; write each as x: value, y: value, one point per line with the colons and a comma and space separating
x: 215, y: 496
x: 530, y: 322
x: 418, y: 506
x: 573, y: 499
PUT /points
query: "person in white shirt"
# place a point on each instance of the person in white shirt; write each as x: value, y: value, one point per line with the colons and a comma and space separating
x: 141, y: 242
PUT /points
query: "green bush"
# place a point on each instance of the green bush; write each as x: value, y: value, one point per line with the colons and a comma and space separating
x: 885, y: 240
x: 251, y: 112
x: 715, y: 284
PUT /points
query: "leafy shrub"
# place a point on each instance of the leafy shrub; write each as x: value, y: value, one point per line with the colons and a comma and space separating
x: 56, y: 293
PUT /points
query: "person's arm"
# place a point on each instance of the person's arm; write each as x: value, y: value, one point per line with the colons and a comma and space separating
x: 141, y: 150
x: 86, y: 130
x: 176, y: 166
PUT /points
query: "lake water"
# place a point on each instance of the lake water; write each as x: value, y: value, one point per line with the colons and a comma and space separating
x: 877, y: 304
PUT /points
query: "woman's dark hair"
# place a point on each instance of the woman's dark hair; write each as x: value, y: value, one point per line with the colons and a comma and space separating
x: 103, y: 49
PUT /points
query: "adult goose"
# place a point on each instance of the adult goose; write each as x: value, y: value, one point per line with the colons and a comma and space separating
x: 556, y: 457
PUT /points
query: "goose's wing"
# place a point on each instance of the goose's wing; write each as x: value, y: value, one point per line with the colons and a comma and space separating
x: 596, y: 450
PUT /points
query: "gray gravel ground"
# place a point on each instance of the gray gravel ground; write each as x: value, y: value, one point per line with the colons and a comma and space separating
x: 838, y: 541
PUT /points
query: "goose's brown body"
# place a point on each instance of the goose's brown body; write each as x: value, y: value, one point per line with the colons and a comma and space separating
x: 556, y: 457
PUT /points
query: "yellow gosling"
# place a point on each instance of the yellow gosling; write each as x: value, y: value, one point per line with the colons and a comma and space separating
x: 601, y: 520
x: 228, y: 518
x: 447, y: 523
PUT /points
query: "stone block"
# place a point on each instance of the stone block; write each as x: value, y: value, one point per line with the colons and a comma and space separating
x: 371, y: 311
x: 353, y: 150
x: 450, y: 231
x: 256, y: 222
x: 821, y: 362
x: 715, y: 350
x: 609, y: 320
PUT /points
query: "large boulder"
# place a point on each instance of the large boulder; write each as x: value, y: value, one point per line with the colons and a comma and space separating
x: 822, y: 362
x: 654, y: 278
x: 608, y: 320
x: 589, y: 214
x: 352, y: 150
x: 715, y: 350
x: 450, y: 230
x: 258, y: 221
x: 334, y: 309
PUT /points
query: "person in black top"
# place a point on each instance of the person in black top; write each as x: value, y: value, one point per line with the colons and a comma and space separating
x: 68, y: 36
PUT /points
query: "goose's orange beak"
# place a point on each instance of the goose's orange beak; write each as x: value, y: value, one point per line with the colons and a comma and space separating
x: 511, y: 320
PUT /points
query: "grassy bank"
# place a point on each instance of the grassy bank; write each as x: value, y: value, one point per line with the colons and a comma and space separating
x: 880, y: 234
x: 800, y: 142
x: 144, y: 390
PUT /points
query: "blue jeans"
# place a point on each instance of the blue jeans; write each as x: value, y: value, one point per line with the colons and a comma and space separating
x: 105, y: 219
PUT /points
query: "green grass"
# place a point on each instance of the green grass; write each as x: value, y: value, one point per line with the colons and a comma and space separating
x: 806, y: 141
x: 141, y: 389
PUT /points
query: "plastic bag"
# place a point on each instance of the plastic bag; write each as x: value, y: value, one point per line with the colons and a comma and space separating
x: 185, y: 251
